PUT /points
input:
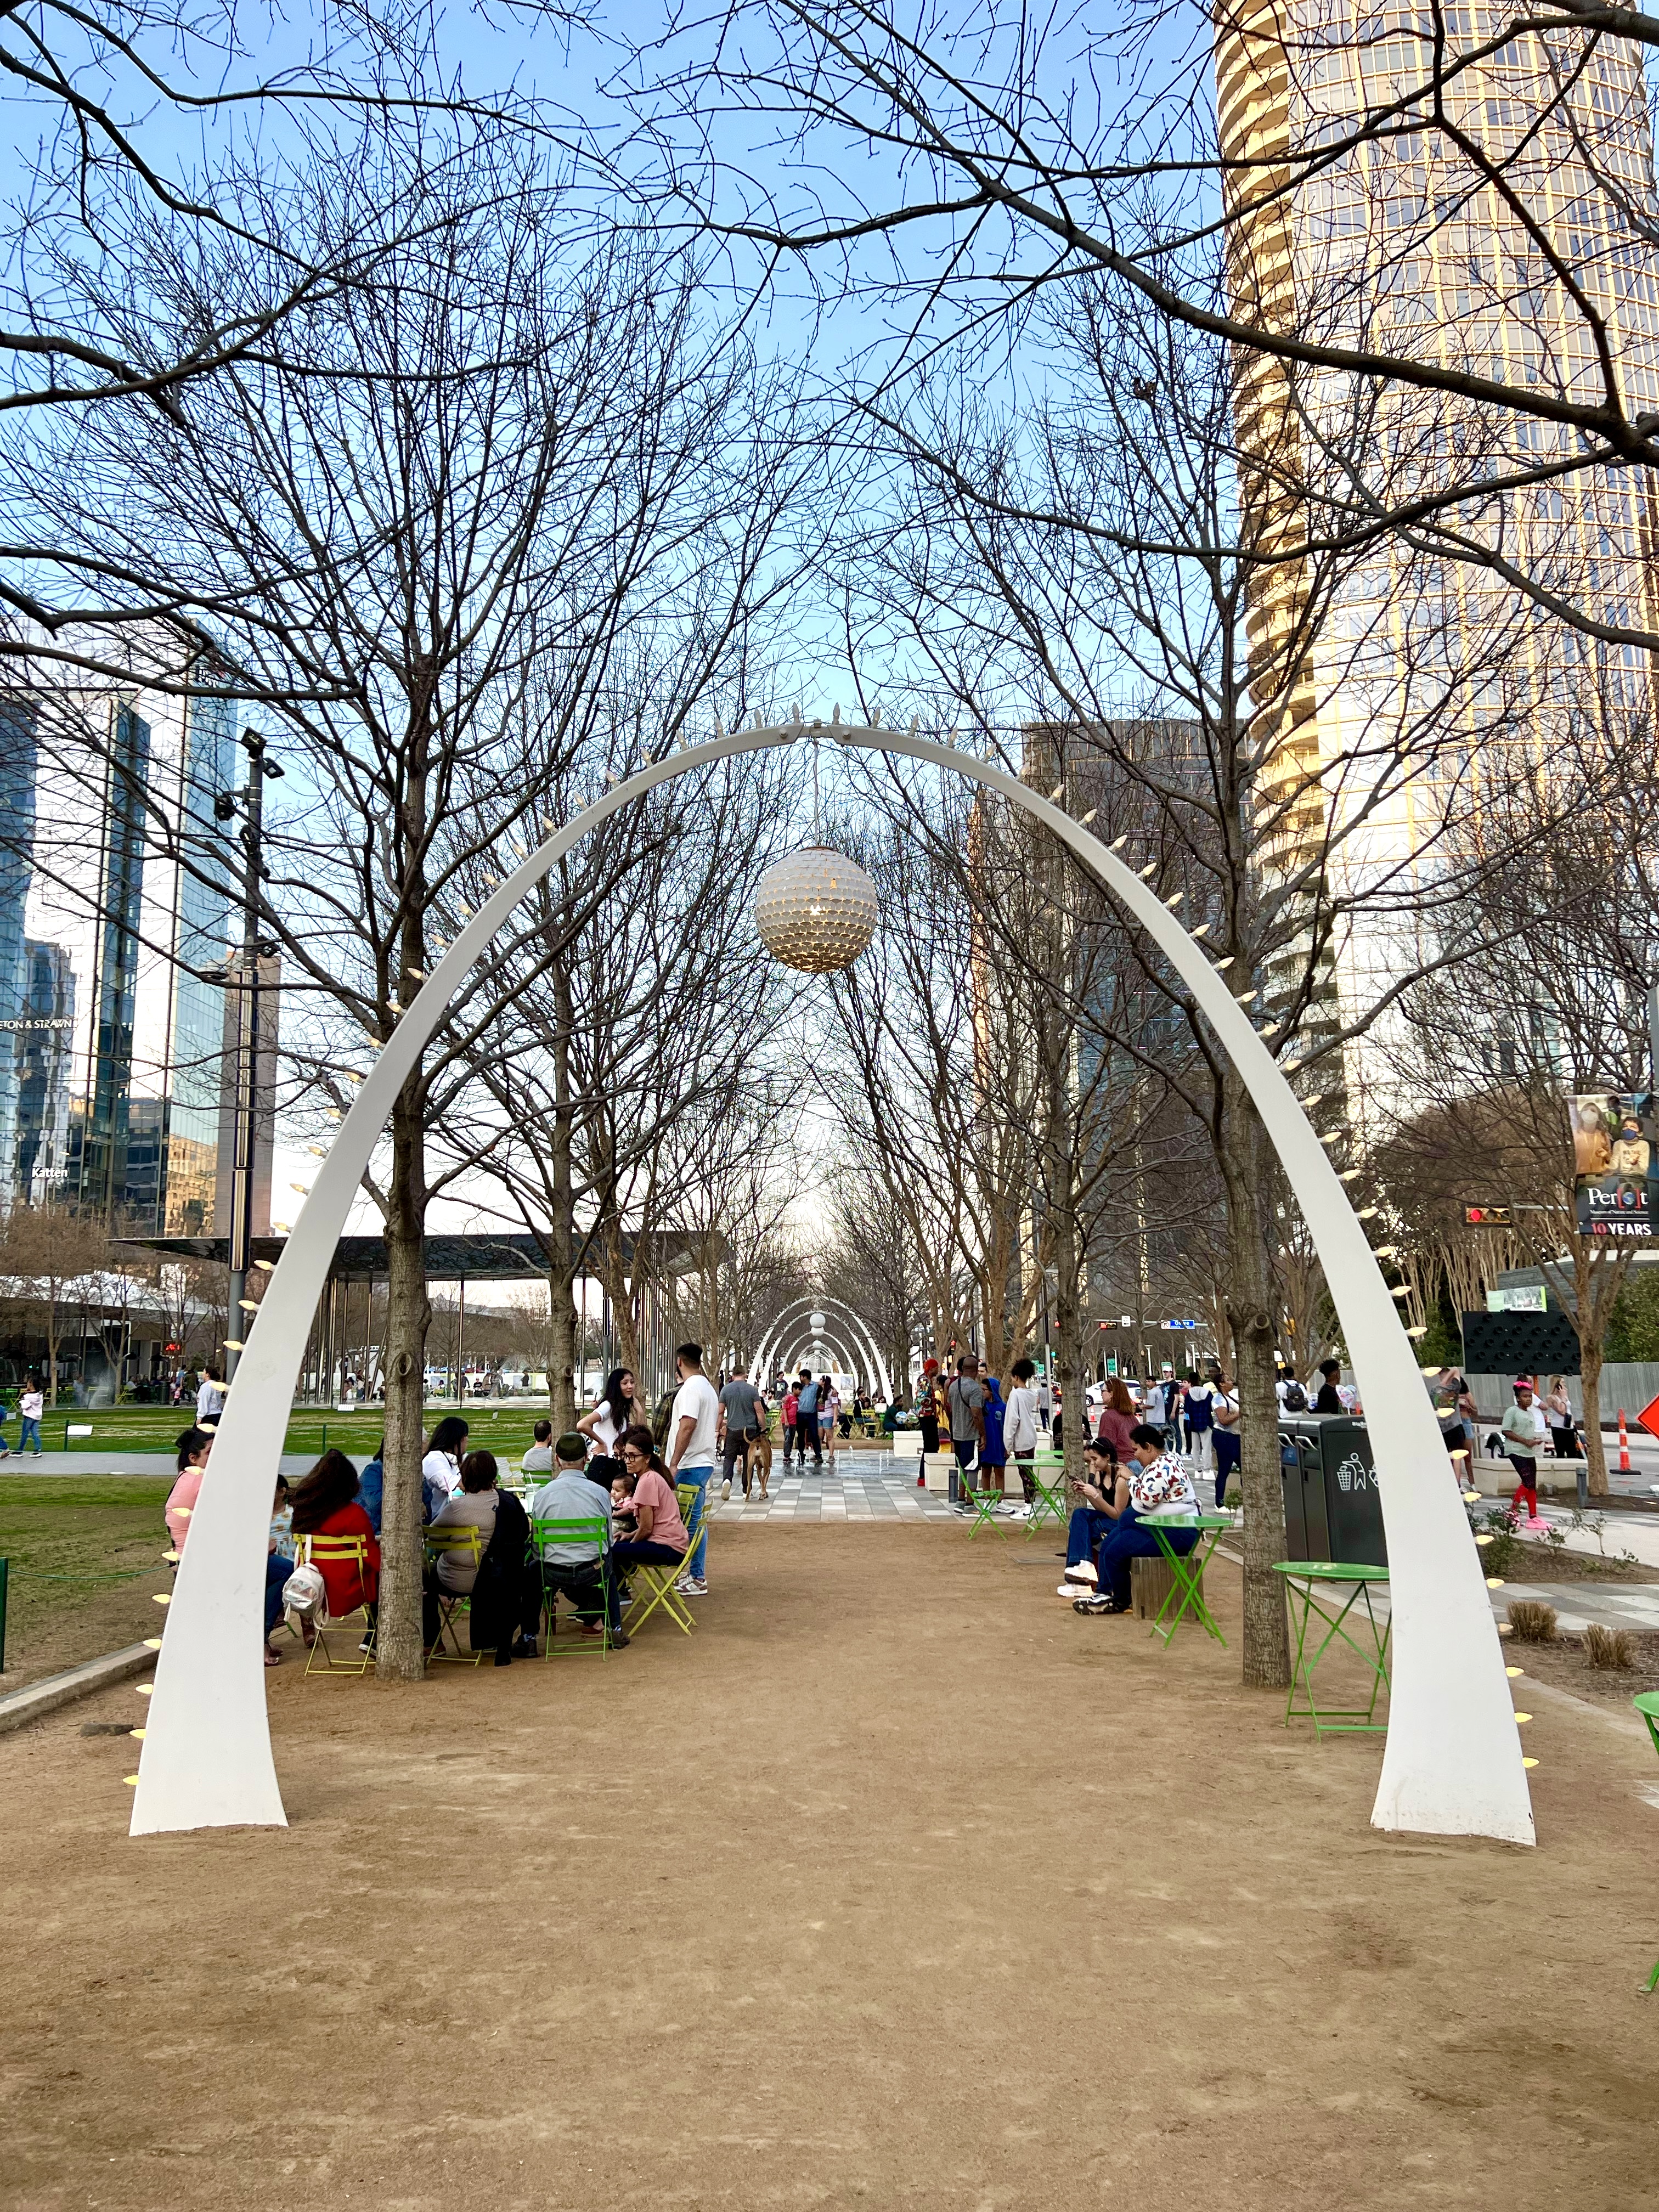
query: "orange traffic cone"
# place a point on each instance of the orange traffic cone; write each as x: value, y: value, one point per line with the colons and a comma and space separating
x: 1624, y: 1444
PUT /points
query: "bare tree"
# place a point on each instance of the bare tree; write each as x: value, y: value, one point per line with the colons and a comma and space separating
x: 1089, y: 561
x: 48, y: 1252
x: 1551, y: 1002
x: 1371, y: 210
x: 430, y: 529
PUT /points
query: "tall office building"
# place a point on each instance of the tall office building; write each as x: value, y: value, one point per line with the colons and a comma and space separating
x: 118, y: 1062
x: 1400, y: 243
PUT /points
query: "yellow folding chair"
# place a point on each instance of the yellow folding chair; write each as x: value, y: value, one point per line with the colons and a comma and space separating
x: 446, y: 1543
x: 660, y: 1580
x: 338, y: 1552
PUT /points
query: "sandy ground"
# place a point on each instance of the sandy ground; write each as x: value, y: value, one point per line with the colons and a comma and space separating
x: 899, y: 1885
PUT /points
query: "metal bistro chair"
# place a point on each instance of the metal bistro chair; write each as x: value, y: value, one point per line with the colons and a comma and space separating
x: 453, y: 1604
x: 321, y: 1552
x: 1050, y: 1503
x: 595, y: 1531
x: 660, y: 1580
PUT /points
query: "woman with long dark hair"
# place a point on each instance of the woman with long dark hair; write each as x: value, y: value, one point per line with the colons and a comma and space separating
x: 324, y: 1503
x: 194, y: 1445
x: 620, y: 1408
x: 441, y: 1467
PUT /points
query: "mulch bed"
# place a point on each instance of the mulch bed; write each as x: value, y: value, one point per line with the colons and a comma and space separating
x: 1550, y: 1563
x: 1566, y: 1665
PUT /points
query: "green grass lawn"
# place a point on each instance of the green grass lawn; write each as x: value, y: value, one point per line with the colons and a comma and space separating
x: 155, y: 1428
x: 85, y: 1554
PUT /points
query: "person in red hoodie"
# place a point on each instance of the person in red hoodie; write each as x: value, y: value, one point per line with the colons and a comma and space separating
x: 324, y: 1503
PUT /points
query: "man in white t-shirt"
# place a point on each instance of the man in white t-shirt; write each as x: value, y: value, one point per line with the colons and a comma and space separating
x: 693, y: 1430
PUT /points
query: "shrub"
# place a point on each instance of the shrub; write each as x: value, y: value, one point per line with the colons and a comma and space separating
x: 1532, y: 1622
x: 1609, y: 1647
x: 1498, y: 1543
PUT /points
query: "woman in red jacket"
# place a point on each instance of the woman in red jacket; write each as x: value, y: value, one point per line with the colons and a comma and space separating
x: 325, y: 1504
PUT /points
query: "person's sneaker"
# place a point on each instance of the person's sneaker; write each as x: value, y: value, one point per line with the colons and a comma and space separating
x: 618, y: 1641
x: 725, y: 1489
x: 526, y: 1648
x: 692, y: 1586
x: 1082, y: 1572
x: 1098, y: 1605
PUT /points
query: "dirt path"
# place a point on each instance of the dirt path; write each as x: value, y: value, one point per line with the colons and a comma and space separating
x: 899, y: 1885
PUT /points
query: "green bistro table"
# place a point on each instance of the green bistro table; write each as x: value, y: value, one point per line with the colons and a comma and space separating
x: 1187, y: 1569
x: 1647, y: 1703
x: 1050, y: 1503
x: 1306, y: 1581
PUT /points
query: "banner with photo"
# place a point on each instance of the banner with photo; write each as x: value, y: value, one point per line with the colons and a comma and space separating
x: 1615, y: 1153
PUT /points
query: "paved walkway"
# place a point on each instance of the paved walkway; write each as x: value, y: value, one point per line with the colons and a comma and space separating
x: 857, y: 1486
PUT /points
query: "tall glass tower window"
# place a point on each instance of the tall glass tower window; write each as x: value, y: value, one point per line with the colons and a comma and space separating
x: 18, y: 759
x: 196, y: 1054
x: 103, y: 1165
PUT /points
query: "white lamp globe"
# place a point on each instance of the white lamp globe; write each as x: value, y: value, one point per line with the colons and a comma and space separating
x: 816, y: 910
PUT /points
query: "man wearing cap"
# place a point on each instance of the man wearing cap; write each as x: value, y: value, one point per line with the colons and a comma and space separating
x: 1523, y: 1427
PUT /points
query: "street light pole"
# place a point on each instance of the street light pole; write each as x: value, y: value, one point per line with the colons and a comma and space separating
x: 243, y: 1142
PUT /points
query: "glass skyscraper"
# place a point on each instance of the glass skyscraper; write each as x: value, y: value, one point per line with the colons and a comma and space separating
x: 116, y: 1066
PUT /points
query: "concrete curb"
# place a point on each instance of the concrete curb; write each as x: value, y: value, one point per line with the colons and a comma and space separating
x: 28, y: 1705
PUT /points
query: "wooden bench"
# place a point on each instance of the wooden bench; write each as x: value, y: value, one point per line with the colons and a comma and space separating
x: 1150, y: 1584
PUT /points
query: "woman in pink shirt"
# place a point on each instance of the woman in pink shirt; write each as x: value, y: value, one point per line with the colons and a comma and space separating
x: 1117, y: 1419
x: 194, y: 1446
x: 662, y: 1539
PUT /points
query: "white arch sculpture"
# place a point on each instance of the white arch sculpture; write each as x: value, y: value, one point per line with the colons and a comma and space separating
x: 845, y: 1361
x: 864, y: 1335
x: 1452, y: 1764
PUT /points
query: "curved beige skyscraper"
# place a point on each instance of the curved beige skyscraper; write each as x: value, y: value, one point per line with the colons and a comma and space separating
x: 1507, y: 241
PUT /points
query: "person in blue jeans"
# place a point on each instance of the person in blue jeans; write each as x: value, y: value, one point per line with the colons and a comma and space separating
x: 1162, y: 1485
x: 693, y: 1432
x: 1106, y: 1486
x: 30, y: 1406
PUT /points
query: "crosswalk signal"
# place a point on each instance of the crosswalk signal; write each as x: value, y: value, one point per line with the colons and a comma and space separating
x: 1486, y: 1216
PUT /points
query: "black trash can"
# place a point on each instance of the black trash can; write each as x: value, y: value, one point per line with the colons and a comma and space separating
x: 1331, y: 1508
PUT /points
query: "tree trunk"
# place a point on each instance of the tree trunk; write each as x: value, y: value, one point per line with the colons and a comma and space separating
x: 1265, y: 1659
x: 619, y: 1290
x: 409, y: 1316
x: 1590, y: 1384
x: 562, y: 1352
x: 1598, y: 1276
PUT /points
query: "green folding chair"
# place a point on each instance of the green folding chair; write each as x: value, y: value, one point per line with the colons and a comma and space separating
x: 1647, y: 1703
x: 453, y: 1606
x: 985, y: 1504
x: 543, y: 1533
x: 1050, y: 1503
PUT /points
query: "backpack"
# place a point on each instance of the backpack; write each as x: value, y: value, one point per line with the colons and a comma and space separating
x: 305, y: 1593
x: 1199, y: 1411
x: 1296, y: 1399
x: 661, y: 1417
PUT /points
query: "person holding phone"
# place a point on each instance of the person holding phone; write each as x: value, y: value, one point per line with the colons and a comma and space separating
x: 1104, y: 1491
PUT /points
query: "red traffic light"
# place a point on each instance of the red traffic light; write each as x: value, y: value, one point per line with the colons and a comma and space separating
x: 1486, y: 1216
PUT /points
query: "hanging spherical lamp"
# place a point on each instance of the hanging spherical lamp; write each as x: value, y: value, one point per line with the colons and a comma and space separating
x: 815, y: 909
